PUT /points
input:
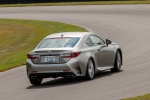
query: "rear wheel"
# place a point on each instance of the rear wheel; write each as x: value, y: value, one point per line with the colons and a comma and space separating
x: 117, y: 65
x: 35, y: 80
x: 90, y: 70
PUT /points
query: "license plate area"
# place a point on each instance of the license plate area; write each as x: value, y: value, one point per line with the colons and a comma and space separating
x: 50, y: 59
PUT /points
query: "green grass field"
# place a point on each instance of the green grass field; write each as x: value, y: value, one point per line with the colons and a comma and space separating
x: 18, y: 37
x: 145, y: 97
x: 116, y: 2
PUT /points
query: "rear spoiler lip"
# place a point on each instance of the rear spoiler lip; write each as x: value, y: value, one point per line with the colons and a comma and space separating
x: 49, y: 49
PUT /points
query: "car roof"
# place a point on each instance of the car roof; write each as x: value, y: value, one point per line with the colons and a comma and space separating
x: 68, y: 34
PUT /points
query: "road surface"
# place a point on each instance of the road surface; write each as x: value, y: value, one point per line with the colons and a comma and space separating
x: 127, y: 25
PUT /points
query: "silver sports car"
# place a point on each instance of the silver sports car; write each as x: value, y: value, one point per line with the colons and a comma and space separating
x: 72, y: 54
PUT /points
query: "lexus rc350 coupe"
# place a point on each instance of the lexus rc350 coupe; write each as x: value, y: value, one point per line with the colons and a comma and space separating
x: 72, y: 54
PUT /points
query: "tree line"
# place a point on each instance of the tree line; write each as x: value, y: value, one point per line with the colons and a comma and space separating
x: 40, y: 1
x: 50, y: 1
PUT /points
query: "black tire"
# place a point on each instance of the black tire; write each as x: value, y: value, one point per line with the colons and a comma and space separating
x: 90, y: 70
x: 117, y: 64
x: 35, y: 81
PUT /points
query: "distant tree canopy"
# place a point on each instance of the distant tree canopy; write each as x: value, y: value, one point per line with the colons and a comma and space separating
x: 42, y: 1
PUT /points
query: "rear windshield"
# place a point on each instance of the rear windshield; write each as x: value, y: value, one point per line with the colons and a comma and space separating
x: 59, y: 42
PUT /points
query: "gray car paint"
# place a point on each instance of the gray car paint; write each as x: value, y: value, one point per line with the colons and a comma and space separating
x: 103, y: 56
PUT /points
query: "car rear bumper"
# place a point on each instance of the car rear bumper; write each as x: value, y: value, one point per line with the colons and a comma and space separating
x: 56, y: 74
x: 53, y: 70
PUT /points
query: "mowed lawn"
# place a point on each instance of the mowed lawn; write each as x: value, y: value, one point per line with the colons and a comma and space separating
x: 18, y: 37
x: 103, y: 2
x: 145, y: 97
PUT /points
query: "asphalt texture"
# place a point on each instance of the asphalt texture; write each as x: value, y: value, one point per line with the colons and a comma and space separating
x: 127, y: 25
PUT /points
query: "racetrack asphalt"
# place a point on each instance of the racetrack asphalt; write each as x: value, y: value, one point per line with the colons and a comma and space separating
x: 127, y: 25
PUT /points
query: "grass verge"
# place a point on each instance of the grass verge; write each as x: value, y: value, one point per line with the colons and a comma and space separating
x: 80, y: 3
x: 145, y: 97
x: 18, y: 37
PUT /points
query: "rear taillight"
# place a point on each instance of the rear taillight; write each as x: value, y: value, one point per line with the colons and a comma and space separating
x: 70, y: 55
x: 31, y: 56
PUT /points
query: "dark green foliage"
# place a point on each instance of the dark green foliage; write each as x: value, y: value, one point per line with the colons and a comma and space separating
x: 45, y: 1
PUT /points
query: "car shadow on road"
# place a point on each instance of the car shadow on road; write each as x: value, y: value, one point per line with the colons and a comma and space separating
x: 70, y: 81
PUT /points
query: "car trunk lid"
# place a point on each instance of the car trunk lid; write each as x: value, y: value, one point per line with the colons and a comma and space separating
x: 51, y: 56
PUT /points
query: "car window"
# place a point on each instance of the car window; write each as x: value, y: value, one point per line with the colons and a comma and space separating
x: 89, y: 42
x: 59, y: 42
x: 96, y: 40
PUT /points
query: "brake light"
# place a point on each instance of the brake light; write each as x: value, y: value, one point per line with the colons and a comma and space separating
x: 75, y: 54
x: 31, y: 56
x: 71, y: 55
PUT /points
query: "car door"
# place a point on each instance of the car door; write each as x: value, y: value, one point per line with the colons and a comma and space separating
x: 104, y: 53
x: 92, y: 50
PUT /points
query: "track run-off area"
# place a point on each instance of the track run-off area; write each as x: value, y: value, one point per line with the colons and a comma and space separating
x: 127, y: 25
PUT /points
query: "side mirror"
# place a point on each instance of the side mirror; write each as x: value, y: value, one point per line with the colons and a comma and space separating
x: 108, y: 42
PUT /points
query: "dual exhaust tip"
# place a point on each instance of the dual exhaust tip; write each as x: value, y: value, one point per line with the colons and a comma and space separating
x: 33, y: 77
x: 67, y: 76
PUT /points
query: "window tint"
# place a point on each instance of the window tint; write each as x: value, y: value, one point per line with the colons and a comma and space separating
x: 59, y: 42
x: 89, y: 42
x: 96, y: 40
